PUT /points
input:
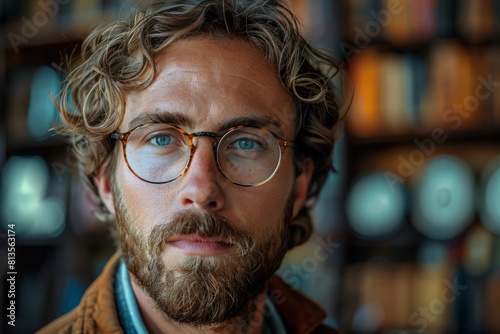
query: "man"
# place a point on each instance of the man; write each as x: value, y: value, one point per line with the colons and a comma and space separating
x: 204, y: 127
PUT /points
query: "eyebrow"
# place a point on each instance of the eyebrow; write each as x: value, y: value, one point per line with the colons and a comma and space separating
x: 161, y: 116
x: 257, y: 121
x: 179, y: 119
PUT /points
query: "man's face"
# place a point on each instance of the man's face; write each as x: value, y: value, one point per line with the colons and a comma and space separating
x: 201, y: 246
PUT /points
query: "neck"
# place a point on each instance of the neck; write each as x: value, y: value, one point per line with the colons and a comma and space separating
x: 156, y: 322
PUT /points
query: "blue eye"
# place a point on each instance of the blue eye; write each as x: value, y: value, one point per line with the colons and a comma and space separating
x: 246, y: 144
x: 162, y: 140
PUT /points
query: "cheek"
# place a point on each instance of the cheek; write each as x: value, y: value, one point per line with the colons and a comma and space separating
x: 145, y: 203
x: 259, y: 209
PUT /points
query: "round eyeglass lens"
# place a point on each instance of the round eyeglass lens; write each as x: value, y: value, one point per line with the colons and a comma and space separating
x: 157, y: 153
x: 248, y: 156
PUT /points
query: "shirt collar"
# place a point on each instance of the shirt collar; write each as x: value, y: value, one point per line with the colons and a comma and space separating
x: 128, y: 312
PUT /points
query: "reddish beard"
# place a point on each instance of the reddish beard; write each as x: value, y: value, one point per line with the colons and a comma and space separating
x: 203, y: 290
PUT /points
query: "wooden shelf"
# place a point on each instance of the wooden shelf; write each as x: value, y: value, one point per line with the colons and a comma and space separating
x: 491, y: 134
x: 52, y: 143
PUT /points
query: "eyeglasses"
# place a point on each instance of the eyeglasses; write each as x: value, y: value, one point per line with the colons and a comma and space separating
x: 160, y: 153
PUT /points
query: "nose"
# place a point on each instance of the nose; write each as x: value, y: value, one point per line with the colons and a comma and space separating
x: 202, y: 184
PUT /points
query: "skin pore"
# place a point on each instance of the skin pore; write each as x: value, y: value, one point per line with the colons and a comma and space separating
x: 201, y: 223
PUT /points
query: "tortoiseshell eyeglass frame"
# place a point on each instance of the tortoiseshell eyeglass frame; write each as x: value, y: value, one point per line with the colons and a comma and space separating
x: 123, y: 137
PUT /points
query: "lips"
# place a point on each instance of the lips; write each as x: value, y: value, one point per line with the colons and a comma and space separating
x: 197, y: 245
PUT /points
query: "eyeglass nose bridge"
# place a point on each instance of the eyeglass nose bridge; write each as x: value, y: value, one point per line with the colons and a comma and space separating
x: 216, y: 137
x: 206, y: 134
x: 212, y: 135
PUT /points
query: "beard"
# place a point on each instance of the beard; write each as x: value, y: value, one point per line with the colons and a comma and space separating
x: 202, y: 290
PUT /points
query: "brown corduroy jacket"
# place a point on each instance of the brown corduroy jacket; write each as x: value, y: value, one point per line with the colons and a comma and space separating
x: 97, y: 310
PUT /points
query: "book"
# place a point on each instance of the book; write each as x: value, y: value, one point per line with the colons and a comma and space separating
x: 364, y: 118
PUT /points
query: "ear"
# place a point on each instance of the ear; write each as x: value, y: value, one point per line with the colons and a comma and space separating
x: 103, y: 184
x: 302, y: 185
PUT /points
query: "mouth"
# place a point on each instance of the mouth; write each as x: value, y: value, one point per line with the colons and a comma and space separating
x: 194, y: 244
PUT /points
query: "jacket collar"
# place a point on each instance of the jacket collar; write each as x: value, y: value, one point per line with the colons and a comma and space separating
x: 299, y: 313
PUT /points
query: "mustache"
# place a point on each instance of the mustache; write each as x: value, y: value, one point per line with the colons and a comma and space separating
x: 204, y: 224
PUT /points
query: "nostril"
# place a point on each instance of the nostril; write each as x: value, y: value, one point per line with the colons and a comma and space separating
x: 187, y: 201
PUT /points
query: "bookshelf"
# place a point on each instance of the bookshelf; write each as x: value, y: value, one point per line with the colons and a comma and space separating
x: 426, y: 79
x: 60, y: 247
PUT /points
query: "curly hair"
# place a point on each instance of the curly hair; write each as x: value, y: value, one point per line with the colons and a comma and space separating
x: 120, y: 57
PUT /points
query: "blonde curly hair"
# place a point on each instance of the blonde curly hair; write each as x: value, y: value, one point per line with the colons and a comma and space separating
x: 120, y: 58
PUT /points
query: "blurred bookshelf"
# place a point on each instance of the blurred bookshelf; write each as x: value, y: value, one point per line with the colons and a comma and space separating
x: 419, y: 127
x: 60, y: 248
x: 423, y: 151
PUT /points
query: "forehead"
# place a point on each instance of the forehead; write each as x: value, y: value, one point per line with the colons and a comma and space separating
x: 208, y: 82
